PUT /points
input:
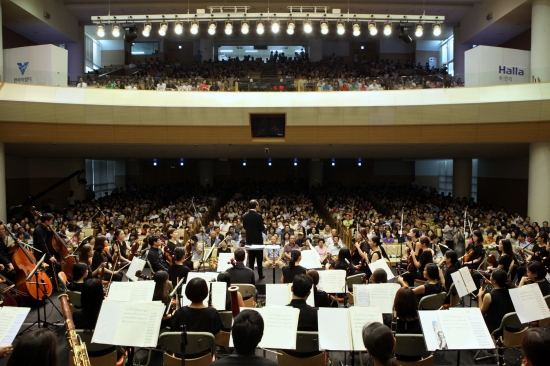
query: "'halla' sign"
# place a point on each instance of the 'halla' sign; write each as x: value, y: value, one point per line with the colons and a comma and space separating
x: 510, y: 71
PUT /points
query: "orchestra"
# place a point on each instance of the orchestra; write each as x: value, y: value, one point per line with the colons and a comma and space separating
x: 99, y: 261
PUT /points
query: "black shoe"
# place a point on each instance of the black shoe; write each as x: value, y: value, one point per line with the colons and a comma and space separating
x: 261, y: 278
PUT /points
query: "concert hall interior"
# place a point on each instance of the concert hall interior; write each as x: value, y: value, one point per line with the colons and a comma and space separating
x: 363, y: 162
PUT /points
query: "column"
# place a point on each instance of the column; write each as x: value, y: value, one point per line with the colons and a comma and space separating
x: 315, y: 172
x: 539, y: 176
x: 3, y: 208
x: 1, y: 57
x: 120, y: 173
x: 206, y: 172
x: 458, y: 55
x: 462, y: 178
x: 540, y: 47
x: 76, y: 186
x: 76, y: 56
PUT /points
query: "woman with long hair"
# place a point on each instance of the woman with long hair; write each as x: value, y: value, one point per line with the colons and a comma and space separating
x: 380, y: 344
x: 36, y: 348
x: 498, y: 303
x: 161, y: 294
x: 433, y: 282
x: 536, y: 273
x: 474, y: 252
x: 91, y: 300
x: 321, y: 297
x: 178, y: 269
x: 293, y: 268
x: 344, y: 262
x: 102, y: 256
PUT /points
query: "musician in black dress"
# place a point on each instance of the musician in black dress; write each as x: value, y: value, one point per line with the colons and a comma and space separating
x: 102, y: 256
x: 475, y: 253
x: 536, y: 273
x: 420, y: 260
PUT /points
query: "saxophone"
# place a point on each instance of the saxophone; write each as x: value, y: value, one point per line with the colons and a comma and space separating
x: 80, y: 354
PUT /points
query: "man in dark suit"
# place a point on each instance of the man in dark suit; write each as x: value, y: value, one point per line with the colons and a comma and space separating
x: 301, y: 289
x: 156, y: 255
x: 253, y: 224
x: 240, y: 273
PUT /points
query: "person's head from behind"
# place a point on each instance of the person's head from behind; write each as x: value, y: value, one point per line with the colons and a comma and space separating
x: 80, y: 271
x: 379, y: 276
x: 535, y: 347
x: 36, y: 348
x: 224, y: 277
x: 301, y: 286
x: 380, y: 343
x: 295, y: 257
x: 247, y: 331
x: 196, y: 290
x: 406, y: 304
x: 536, y: 271
x: 239, y: 255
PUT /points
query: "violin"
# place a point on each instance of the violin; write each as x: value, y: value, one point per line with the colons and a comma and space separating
x: 140, y: 274
x: 167, y: 253
x: 410, y: 266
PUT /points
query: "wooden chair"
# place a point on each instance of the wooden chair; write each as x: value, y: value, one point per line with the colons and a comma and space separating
x: 197, y: 342
x: 306, y: 342
x: 432, y: 302
x: 248, y: 292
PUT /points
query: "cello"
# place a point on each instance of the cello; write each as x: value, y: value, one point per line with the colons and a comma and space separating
x: 24, y: 262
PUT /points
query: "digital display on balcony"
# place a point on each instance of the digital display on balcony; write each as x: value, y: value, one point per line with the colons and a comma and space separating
x: 268, y: 125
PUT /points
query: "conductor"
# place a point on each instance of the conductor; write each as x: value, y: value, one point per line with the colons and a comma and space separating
x: 253, y: 224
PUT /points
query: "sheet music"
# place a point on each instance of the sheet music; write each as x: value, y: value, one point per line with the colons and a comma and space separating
x: 460, y: 286
x: 310, y: 259
x: 383, y: 295
x: 361, y: 295
x: 468, y: 279
x: 333, y: 281
x: 134, y: 324
x: 281, y: 295
x: 11, y: 319
x: 465, y: 330
x: 131, y: 291
x: 358, y: 318
x: 481, y: 333
x: 329, y: 320
x: 427, y: 319
x: 529, y: 303
x: 207, y: 276
x: 137, y: 264
x: 223, y: 262
x: 381, y: 263
x: 219, y: 293
x: 255, y: 247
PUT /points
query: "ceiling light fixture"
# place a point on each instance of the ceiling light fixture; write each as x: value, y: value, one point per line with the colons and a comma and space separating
x: 307, y: 26
x: 290, y: 28
x: 212, y: 28
x: 372, y: 29
x: 244, y: 27
x: 228, y: 28
x: 324, y: 27
x: 178, y: 28
x: 340, y: 28
x: 437, y: 29
x: 275, y: 26
x: 387, y: 29
x: 260, y: 28
x: 419, y: 30
x: 100, y: 31
x: 194, y: 27
x: 356, y: 29
x: 116, y: 31
x: 163, y: 28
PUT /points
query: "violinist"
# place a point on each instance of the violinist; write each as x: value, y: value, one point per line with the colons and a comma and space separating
x: 85, y: 256
x: 120, y: 245
x: 344, y: 262
x: 161, y: 294
x: 451, y: 266
x: 536, y: 273
x: 474, y: 252
x: 196, y: 251
x: 80, y: 274
x: 178, y: 269
x: 156, y: 255
x: 420, y: 258
x: 101, y: 256
x: 504, y: 261
x: 366, y: 257
x: 6, y: 267
x: 173, y: 241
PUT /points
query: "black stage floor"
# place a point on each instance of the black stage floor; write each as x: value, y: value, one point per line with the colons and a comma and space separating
x: 441, y: 358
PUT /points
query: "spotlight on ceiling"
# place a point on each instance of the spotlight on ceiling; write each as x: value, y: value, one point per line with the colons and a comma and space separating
x: 437, y: 29
x: 324, y: 27
x: 275, y: 26
x: 419, y: 30
x: 356, y: 29
x: 244, y: 27
x: 146, y: 30
x: 260, y: 28
x: 116, y: 31
x: 403, y: 33
x: 387, y: 29
x: 130, y: 34
x: 290, y: 28
x: 212, y: 28
x: 163, y: 28
x: 372, y: 29
x: 307, y: 26
x: 340, y: 28
x: 178, y: 28
x: 194, y: 27
x: 100, y: 31
x: 228, y: 28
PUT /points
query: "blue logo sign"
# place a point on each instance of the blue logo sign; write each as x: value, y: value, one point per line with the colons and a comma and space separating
x: 510, y: 70
x: 22, y: 67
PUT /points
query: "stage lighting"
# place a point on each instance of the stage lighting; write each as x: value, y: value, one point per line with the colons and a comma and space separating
x: 163, y: 28
x: 275, y: 26
x: 290, y: 28
x: 437, y: 29
x: 100, y: 31
x: 387, y: 29
x: 340, y: 28
x: 419, y: 30
x: 228, y: 28
x: 244, y: 27
x: 178, y: 28
x: 146, y: 30
x: 194, y: 27
x: 372, y: 29
x: 130, y: 34
x: 356, y: 29
x: 212, y: 28
x: 307, y: 26
x: 116, y: 31
x: 260, y: 28
x: 404, y: 35
x: 324, y: 27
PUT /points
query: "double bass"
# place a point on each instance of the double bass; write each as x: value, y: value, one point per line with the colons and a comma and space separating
x: 24, y: 262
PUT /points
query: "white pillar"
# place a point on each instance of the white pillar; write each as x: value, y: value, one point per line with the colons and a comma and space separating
x: 3, y: 208
x: 1, y: 53
x: 462, y: 178
x: 315, y: 172
x: 539, y: 176
x: 206, y: 172
x: 540, y: 46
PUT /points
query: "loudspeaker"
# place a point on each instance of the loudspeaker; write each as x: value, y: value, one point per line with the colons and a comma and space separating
x: 130, y: 34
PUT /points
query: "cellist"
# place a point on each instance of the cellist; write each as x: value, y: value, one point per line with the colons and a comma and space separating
x: 40, y: 236
x: 6, y: 267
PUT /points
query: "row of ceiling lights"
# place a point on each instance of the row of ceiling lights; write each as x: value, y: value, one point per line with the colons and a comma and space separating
x: 275, y: 27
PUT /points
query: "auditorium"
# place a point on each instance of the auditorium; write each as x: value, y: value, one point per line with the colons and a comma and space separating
x: 369, y: 185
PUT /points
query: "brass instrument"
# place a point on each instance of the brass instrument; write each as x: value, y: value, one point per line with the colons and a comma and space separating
x: 80, y: 353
